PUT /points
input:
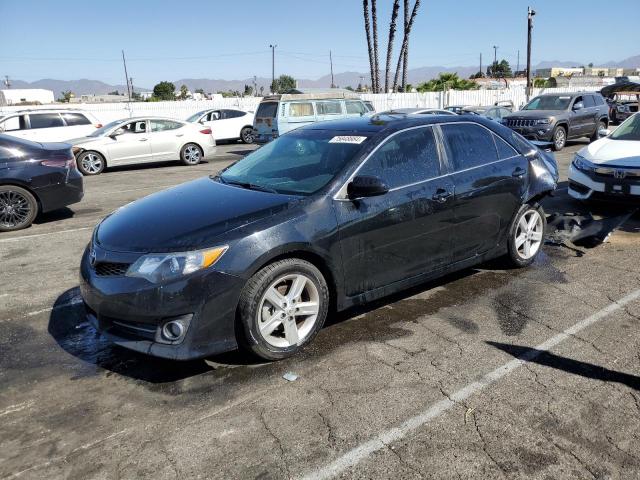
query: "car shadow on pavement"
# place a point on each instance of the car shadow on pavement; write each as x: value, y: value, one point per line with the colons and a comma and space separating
x: 148, y: 166
x: 575, y: 367
x: 54, y: 216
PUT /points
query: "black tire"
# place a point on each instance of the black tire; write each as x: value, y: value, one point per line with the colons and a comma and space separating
x: 91, y: 163
x: 602, y: 125
x: 514, y: 256
x: 559, y: 138
x: 251, y: 300
x: 18, y: 208
x: 246, y: 135
x: 191, y: 154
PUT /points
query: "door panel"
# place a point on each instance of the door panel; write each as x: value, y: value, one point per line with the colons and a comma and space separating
x: 132, y: 146
x: 165, y: 139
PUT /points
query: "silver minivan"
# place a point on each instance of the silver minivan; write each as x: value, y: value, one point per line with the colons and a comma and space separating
x: 279, y: 114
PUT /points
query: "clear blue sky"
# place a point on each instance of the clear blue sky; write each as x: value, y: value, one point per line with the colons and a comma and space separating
x: 168, y: 40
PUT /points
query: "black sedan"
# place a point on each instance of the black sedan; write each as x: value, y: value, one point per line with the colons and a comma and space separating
x: 328, y: 216
x: 35, y: 178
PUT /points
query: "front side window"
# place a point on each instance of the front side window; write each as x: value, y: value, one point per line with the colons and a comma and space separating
x: 406, y: 158
x: 504, y: 149
x: 73, y: 119
x: 45, y: 120
x: 468, y: 145
x: 163, y: 125
x: 588, y: 101
x: 356, y: 108
x: 301, y: 110
x: 628, y: 130
x: 300, y: 162
x: 139, y: 126
x: 328, y: 108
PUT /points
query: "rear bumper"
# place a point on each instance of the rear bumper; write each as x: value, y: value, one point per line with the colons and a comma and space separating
x: 583, y: 187
x: 209, y: 151
x: 53, y: 197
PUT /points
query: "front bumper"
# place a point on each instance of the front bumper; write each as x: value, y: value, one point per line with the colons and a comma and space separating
x: 130, y: 311
x: 543, y: 133
x: 583, y: 186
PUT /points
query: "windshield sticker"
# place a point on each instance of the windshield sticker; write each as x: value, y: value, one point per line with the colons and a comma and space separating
x: 348, y: 139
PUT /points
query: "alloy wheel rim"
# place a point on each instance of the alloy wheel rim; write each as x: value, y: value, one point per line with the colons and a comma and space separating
x: 560, y: 138
x: 288, y: 310
x: 247, y: 136
x: 14, y: 209
x: 529, y: 233
x: 192, y: 154
x: 91, y: 163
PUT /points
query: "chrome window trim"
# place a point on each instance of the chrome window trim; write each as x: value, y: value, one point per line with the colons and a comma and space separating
x: 341, y: 194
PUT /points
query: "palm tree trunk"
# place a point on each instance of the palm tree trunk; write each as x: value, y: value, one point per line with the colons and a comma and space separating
x: 374, y: 21
x: 405, y: 47
x: 367, y: 29
x: 392, y: 34
x: 405, y: 53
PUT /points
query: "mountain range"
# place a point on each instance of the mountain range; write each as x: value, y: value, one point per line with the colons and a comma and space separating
x: 414, y: 76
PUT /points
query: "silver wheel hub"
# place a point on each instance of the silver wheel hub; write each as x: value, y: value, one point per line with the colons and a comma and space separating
x: 288, y: 310
x: 92, y: 163
x: 192, y: 154
x: 529, y: 234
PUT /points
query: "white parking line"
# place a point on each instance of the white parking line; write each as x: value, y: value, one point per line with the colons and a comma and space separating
x: 381, y: 441
x: 75, y: 300
x: 26, y: 237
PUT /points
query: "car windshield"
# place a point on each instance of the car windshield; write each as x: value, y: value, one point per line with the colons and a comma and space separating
x: 195, y: 117
x: 102, y: 130
x: 298, y: 163
x: 629, y: 130
x: 549, y: 102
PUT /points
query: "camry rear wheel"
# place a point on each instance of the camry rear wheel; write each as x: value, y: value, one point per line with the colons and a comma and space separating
x: 90, y: 163
x: 282, y: 307
x: 18, y: 208
x: 191, y: 154
x: 526, y: 235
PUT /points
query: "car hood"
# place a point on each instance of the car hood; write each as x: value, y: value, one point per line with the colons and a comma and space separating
x: 186, y: 217
x: 531, y: 114
x: 621, y: 153
x: 83, y: 140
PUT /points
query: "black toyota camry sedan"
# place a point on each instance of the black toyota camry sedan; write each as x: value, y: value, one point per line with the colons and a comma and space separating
x: 35, y: 178
x: 327, y: 216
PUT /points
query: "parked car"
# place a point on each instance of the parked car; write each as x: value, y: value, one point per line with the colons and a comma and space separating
x: 334, y: 213
x: 53, y: 125
x: 137, y: 140
x: 417, y: 111
x: 556, y: 118
x: 610, y: 167
x: 35, y: 178
x: 618, y: 98
x: 227, y: 124
x: 496, y: 113
x: 278, y: 114
x: 457, y: 109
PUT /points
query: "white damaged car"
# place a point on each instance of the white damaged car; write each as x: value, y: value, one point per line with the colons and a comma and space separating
x: 610, y: 167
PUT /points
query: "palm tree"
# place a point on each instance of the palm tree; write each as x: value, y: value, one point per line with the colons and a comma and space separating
x: 367, y: 29
x: 376, y: 69
x: 392, y: 34
x: 404, y: 51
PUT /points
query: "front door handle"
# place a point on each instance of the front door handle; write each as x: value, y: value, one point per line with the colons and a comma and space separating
x: 518, y: 172
x: 143, y: 139
x: 442, y: 195
x: 179, y: 134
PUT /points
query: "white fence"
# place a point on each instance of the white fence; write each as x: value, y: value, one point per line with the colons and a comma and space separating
x: 107, y: 112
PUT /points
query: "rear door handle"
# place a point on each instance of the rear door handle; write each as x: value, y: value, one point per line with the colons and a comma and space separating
x: 179, y: 134
x: 144, y: 139
x: 518, y: 172
x: 442, y: 195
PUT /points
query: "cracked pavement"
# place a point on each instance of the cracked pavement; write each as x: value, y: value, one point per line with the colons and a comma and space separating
x: 73, y: 406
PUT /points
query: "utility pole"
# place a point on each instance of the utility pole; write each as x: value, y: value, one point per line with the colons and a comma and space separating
x: 7, y: 83
x: 481, y: 75
x: 333, y: 85
x: 255, y: 86
x: 530, y: 14
x: 518, y: 67
x: 126, y: 75
x: 131, y: 83
x: 495, y: 60
x: 273, y: 65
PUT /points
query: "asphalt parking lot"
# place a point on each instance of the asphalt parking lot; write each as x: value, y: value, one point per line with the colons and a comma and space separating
x: 421, y: 385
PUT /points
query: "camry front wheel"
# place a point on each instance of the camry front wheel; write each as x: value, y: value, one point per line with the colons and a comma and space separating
x: 526, y: 235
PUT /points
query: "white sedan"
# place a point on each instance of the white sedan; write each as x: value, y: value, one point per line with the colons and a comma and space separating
x: 610, y: 167
x: 227, y: 124
x: 138, y: 140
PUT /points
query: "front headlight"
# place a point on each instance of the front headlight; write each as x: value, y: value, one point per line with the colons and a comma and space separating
x: 161, y: 267
x: 580, y: 163
x: 543, y: 121
x: 623, y: 108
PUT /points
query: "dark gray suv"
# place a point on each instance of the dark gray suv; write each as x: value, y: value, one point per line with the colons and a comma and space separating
x: 558, y: 117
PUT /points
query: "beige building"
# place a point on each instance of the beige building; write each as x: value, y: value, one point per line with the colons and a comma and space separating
x: 559, y: 72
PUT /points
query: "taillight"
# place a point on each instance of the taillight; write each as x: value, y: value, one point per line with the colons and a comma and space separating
x: 98, y: 125
x: 62, y: 163
x: 206, y: 131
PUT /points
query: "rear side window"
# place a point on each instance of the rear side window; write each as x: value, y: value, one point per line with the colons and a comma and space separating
x: 504, y: 149
x: 356, y: 107
x: 73, y: 119
x: 232, y: 114
x: 599, y: 100
x: 45, y: 120
x: 588, y: 101
x: 469, y: 146
x: 12, y: 124
x: 328, y: 108
x: 300, y: 109
x: 162, y: 125
x: 406, y: 158
x: 267, y: 110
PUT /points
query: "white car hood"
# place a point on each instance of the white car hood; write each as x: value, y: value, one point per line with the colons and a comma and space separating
x: 622, y: 153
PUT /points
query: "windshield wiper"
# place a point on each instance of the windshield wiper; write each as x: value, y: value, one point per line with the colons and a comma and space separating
x: 247, y: 185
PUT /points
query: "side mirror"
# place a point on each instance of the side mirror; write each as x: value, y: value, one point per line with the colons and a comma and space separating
x: 578, y: 106
x: 366, y: 186
x: 604, y: 132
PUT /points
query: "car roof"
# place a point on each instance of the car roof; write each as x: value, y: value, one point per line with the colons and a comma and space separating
x: 568, y: 94
x: 45, y: 110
